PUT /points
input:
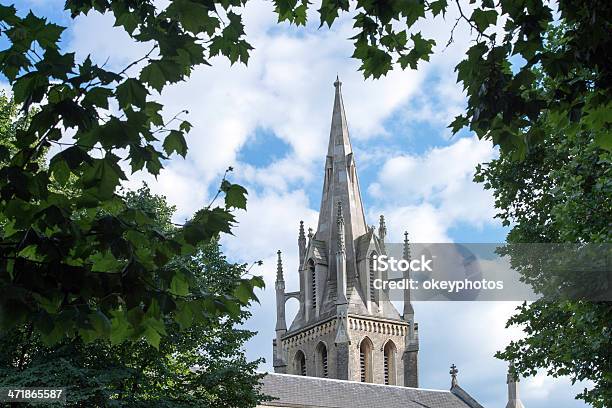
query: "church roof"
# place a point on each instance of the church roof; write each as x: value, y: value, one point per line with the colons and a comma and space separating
x: 313, y: 392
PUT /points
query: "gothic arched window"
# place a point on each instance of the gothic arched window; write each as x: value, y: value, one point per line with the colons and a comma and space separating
x: 300, y: 363
x: 313, y: 282
x: 322, y: 362
x: 365, y: 360
x: 389, y: 363
x: 372, y: 276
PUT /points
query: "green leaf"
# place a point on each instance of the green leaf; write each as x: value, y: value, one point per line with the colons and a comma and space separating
x: 30, y: 252
x: 329, y: 10
x: 175, y: 142
x: 604, y: 140
x: 60, y: 170
x: 458, y: 123
x: 98, y: 96
x: 131, y: 92
x: 105, y: 262
x: 244, y: 292
x: 185, y: 126
x: 235, y: 195
x: 120, y: 327
x: 152, y: 337
x: 103, y: 177
x: 51, y: 304
x: 49, y: 36
x: 153, y: 110
x: 153, y: 75
x: 483, y: 18
x: 412, y: 10
x: 438, y: 7
x: 193, y: 16
x: 184, y: 315
x: 179, y: 285
x: 128, y: 19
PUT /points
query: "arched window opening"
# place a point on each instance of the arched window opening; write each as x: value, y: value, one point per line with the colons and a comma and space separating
x: 389, y: 363
x: 313, y: 282
x: 365, y: 360
x: 372, y: 276
x: 322, y: 370
x: 300, y: 363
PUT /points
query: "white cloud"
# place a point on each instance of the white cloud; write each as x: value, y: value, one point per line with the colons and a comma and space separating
x: 429, y: 194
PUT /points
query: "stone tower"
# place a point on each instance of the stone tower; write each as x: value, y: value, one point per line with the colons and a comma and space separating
x: 344, y: 329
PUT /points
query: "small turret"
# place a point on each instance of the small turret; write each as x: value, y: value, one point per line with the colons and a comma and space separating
x: 382, y: 231
x: 513, y: 393
x: 411, y: 353
x: 302, y: 244
x: 281, y: 324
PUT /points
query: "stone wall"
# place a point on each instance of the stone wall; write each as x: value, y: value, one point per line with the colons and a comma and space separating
x: 379, y: 333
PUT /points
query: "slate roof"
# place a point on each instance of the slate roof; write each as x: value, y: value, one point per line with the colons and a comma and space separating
x: 313, y: 392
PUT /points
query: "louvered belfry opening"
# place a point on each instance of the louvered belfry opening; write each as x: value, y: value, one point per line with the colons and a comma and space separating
x: 389, y: 363
x: 321, y: 360
x: 300, y: 361
x: 386, y: 368
x: 362, y: 365
x: 313, y: 280
x: 314, y: 290
x: 365, y: 360
x: 372, y: 277
x: 324, y: 361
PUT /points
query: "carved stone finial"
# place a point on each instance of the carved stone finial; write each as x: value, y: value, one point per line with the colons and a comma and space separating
x: 301, y: 234
x: 337, y: 83
x: 453, y: 372
x: 406, y: 250
x: 382, y: 225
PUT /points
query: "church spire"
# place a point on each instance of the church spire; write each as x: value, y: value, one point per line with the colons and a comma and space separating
x: 341, y: 185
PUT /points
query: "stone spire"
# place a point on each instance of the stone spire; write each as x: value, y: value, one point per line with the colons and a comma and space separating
x: 279, y: 360
x: 382, y: 231
x: 453, y: 372
x: 280, y: 295
x: 514, y: 400
x: 302, y: 244
x: 408, y: 314
x: 341, y: 185
x: 406, y: 249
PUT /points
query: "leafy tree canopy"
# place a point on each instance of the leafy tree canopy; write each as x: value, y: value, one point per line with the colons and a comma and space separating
x: 561, y: 192
x: 197, y: 363
x: 75, y: 259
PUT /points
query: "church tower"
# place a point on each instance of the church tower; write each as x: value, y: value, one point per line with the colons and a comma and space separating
x: 344, y: 329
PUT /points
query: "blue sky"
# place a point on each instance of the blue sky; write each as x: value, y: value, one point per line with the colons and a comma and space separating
x: 271, y: 121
